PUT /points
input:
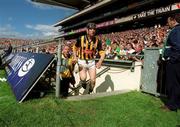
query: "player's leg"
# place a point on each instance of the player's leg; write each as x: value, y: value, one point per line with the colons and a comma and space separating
x: 82, y: 74
x: 92, y: 75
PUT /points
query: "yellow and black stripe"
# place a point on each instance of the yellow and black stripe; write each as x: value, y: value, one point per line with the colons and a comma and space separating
x: 86, y: 49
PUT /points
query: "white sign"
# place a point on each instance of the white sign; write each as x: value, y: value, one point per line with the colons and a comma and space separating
x: 26, y: 67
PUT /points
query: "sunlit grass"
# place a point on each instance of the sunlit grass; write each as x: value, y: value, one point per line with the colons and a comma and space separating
x: 132, y: 109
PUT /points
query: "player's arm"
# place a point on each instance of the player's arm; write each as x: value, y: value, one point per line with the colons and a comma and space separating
x: 101, y: 53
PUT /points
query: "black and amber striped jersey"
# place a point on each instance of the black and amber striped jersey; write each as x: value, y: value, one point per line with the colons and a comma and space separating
x: 87, y: 49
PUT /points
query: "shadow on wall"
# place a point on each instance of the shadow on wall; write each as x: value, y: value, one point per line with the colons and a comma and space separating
x: 108, y: 83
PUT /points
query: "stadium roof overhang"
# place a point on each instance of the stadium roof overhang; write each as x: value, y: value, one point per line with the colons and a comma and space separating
x: 85, y: 11
x: 74, y: 4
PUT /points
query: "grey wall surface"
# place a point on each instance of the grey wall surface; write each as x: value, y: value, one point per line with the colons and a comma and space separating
x: 150, y: 71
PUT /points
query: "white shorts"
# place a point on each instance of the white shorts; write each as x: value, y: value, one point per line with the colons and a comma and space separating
x: 87, y: 63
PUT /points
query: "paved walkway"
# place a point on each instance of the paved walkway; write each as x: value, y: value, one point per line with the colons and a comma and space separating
x: 95, y: 95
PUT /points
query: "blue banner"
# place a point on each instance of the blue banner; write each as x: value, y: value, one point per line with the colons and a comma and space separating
x: 23, y: 71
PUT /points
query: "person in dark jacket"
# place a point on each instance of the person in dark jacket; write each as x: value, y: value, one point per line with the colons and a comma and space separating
x: 172, y: 57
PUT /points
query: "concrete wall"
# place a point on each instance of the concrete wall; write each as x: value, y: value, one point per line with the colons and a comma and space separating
x: 115, y: 79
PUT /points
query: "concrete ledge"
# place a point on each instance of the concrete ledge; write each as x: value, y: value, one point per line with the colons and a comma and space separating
x: 96, y: 95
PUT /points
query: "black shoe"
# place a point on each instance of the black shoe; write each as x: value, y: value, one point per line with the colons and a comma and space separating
x: 90, y: 89
x: 63, y: 96
x: 84, y: 85
x: 167, y: 109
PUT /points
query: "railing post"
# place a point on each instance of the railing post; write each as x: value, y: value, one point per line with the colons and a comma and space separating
x: 58, y: 68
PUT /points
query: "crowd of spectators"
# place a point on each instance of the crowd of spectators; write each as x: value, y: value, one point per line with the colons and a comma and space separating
x: 118, y: 45
x: 17, y: 42
x: 28, y: 43
x: 48, y: 48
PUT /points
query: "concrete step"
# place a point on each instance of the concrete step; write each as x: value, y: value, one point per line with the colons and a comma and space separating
x: 96, y: 95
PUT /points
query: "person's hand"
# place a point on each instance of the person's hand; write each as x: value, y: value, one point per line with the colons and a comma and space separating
x: 98, y: 65
x: 75, y: 59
